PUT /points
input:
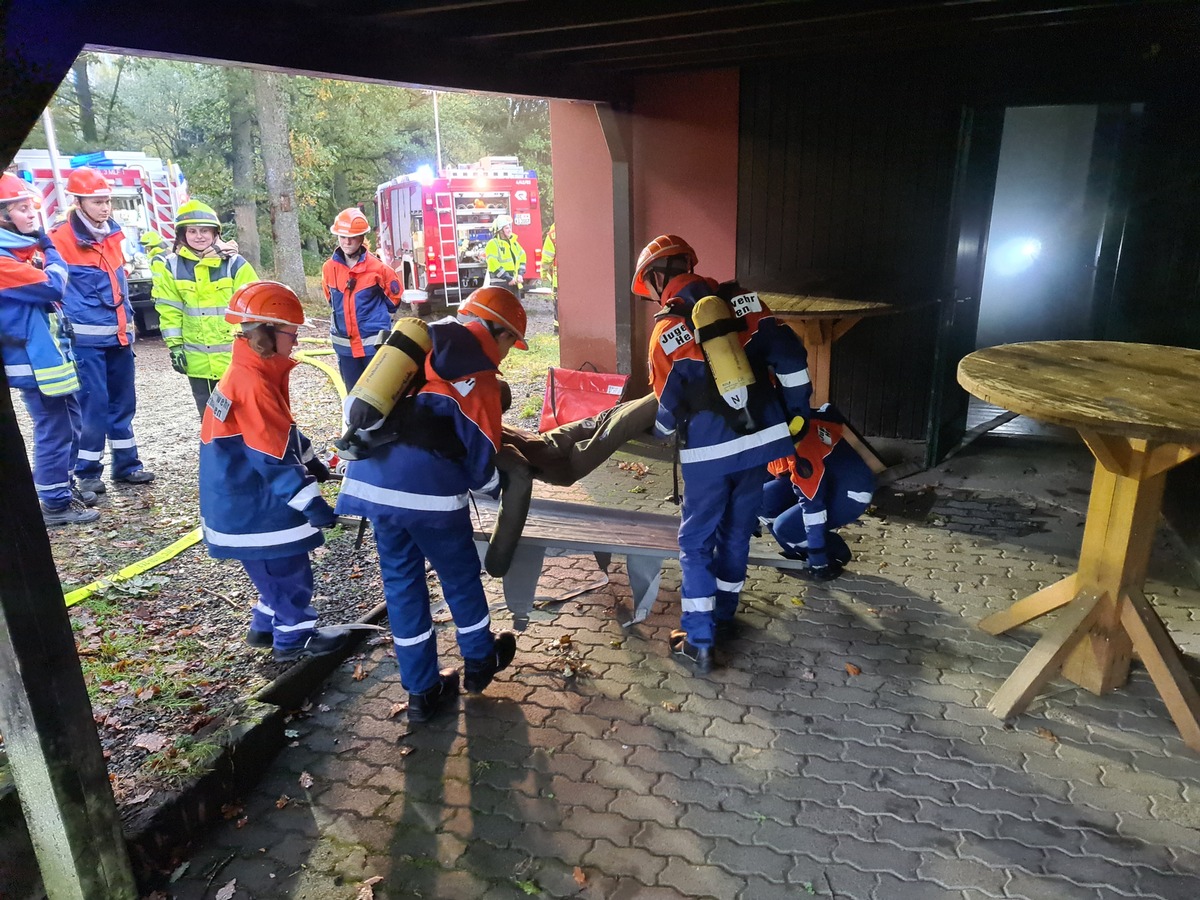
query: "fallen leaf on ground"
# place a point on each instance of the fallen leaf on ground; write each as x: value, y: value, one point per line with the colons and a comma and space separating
x: 670, y: 707
x: 796, y: 601
x: 852, y: 669
x: 227, y: 892
x: 405, y: 750
x: 808, y: 675
x: 231, y: 810
x: 241, y: 823
x: 1046, y: 734
x: 366, y: 889
x: 141, y: 797
x: 152, y: 741
x: 580, y: 876
x: 396, y: 709
x: 283, y: 801
x: 359, y: 672
x: 306, y: 780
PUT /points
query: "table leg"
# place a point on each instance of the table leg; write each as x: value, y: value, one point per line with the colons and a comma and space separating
x: 817, y: 335
x: 1166, y: 669
x: 1121, y: 521
x: 1026, y: 610
x: 1043, y: 661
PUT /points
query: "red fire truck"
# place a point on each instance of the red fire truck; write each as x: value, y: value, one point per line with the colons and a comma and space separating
x: 433, y: 228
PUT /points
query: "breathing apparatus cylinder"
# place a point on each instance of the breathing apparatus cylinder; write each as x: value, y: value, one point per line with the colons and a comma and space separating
x: 386, y: 379
x: 717, y: 331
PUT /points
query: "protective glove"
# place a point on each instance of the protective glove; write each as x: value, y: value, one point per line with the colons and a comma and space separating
x: 43, y: 239
x: 317, y: 470
x: 320, y: 514
x: 179, y: 360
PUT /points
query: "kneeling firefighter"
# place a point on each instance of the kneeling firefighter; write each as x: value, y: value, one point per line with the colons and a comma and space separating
x: 823, y: 485
x: 729, y: 411
x: 415, y: 491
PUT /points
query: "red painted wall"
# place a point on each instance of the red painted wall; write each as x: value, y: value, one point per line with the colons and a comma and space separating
x: 684, y: 145
x: 583, y: 217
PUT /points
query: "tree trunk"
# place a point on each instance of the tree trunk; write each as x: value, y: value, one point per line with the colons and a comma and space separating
x: 341, y: 190
x: 83, y: 93
x: 245, y: 192
x: 273, y: 130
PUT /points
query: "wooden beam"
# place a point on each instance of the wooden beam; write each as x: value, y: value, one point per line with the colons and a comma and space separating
x: 1029, y: 608
x: 1166, y: 669
x: 45, y: 713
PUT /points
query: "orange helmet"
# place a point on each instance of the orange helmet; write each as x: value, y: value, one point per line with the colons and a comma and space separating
x: 494, y: 304
x: 350, y: 223
x: 662, y: 247
x: 268, y: 302
x: 87, y: 182
x: 13, y: 189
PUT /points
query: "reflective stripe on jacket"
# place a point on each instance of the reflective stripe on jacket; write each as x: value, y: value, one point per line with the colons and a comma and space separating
x: 362, y: 298
x: 97, y: 298
x: 253, y: 482
x: 505, y: 257
x: 191, y: 295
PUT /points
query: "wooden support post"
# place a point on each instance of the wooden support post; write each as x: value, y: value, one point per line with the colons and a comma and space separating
x: 1166, y: 669
x: 1121, y: 521
x: 45, y: 713
x: 1026, y: 610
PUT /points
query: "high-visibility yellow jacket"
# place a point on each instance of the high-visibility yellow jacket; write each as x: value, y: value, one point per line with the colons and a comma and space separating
x: 505, y: 259
x: 191, y: 297
x: 549, y: 255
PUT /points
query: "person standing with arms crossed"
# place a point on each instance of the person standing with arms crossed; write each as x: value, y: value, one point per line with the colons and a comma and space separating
x: 192, y: 289
x: 362, y: 292
x: 97, y: 305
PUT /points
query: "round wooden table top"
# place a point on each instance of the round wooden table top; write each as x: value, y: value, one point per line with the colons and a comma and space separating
x: 1133, y: 390
x: 821, y: 307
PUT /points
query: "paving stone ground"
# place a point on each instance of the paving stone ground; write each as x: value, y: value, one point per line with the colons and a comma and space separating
x: 844, y: 750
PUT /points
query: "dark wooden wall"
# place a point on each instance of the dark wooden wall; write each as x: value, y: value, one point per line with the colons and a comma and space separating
x: 844, y: 190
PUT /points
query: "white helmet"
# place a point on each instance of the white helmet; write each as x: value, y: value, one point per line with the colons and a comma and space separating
x: 500, y: 221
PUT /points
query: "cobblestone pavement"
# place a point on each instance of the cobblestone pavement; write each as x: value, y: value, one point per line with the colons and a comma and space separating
x: 844, y: 750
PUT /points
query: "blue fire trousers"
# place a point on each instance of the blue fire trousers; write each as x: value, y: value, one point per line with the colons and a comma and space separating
x: 108, y: 403
x: 403, y: 548
x: 284, y: 606
x: 352, y: 368
x: 56, y: 424
x: 719, y: 515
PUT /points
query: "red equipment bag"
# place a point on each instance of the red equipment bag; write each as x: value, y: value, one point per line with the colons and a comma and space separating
x: 573, y: 394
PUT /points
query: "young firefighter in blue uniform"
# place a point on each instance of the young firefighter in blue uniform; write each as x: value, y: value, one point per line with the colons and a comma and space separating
x: 259, y: 498
x: 415, y: 492
x: 362, y: 291
x: 37, y: 354
x: 97, y: 303
x: 723, y: 449
x: 824, y: 485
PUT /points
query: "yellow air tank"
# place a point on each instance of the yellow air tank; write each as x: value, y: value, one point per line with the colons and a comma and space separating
x: 387, y: 378
x: 717, y: 331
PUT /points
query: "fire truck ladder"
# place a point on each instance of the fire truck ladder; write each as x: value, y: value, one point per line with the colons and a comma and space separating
x: 447, y: 221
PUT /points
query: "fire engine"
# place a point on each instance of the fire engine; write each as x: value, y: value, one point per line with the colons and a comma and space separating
x: 433, y: 228
x: 146, y: 193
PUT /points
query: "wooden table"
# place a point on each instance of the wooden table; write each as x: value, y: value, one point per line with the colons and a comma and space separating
x: 820, y: 321
x: 1137, y: 407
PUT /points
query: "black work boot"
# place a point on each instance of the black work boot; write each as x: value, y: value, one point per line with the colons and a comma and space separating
x: 698, y: 659
x: 321, y: 642
x: 478, y: 673
x: 424, y: 706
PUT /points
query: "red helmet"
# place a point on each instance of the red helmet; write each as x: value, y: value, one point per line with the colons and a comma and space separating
x: 662, y: 247
x: 268, y: 302
x: 494, y: 304
x: 13, y: 189
x: 87, y: 182
x: 350, y: 223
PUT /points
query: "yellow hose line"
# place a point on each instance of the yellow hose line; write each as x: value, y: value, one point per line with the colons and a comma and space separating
x: 137, y: 568
x: 193, y: 537
x: 306, y: 356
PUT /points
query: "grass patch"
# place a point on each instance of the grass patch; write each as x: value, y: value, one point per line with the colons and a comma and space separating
x: 532, y: 407
x: 524, y: 366
x: 181, y: 759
